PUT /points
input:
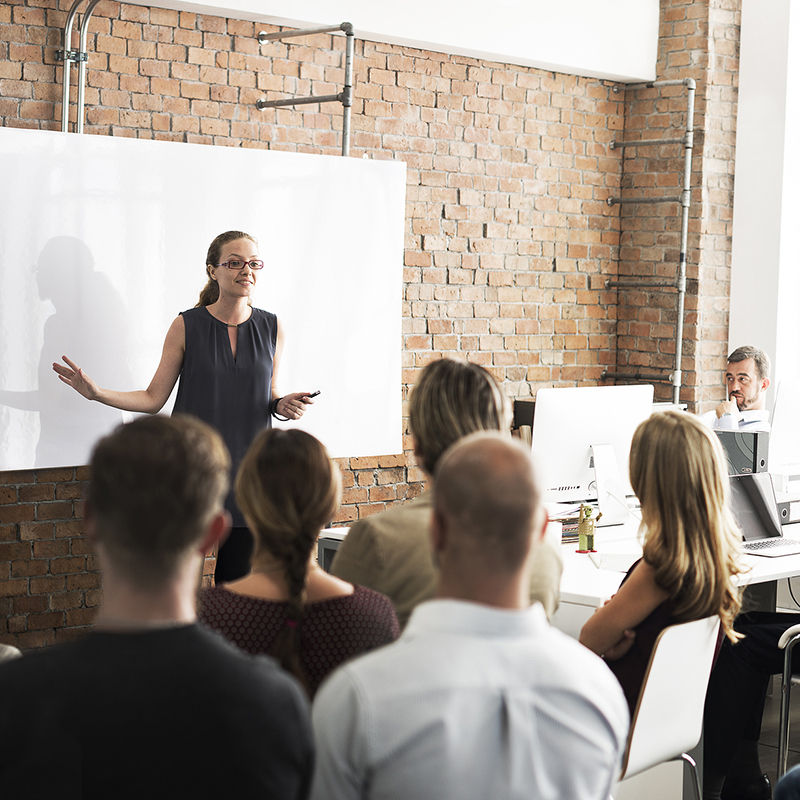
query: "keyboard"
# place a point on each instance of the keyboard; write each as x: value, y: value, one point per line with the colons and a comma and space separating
x: 766, y: 544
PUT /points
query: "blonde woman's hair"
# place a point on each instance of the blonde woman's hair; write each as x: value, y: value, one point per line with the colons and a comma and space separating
x: 450, y: 400
x: 679, y: 473
x: 288, y: 489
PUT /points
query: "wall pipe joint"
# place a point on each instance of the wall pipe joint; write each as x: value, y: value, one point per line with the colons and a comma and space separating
x: 345, y: 97
x: 71, y: 55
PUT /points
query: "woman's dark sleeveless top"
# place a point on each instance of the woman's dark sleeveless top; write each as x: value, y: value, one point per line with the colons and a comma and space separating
x: 232, y: 395
x: 631, y: 668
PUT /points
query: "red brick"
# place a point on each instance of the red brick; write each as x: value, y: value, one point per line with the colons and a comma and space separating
x: 51, y: 548
x: 13, y: 588
x: 68, y: 565
x: 47, y: 619
x: 36, y: 492
x: 17, y: 513
x: 65, y: 600
x: 14, y: 550
x: 28, y: 605
x: 88, y: 580
x: 27, y: 568
x: 80, y: 616
x: 69, y: 529
x: 54, y: 510
x: 47, y: 584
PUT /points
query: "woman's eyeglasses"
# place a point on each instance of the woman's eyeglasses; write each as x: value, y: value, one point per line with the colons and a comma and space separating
x: 238, y: 264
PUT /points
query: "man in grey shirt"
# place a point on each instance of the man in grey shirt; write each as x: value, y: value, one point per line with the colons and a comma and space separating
x: 479, y: 698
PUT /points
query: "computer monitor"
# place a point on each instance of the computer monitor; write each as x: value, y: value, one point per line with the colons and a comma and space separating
x: 568, y: 422
x: 327, y: 544
x: 754, y: 507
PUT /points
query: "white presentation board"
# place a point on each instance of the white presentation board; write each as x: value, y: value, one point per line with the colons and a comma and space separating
x: 103, y: 242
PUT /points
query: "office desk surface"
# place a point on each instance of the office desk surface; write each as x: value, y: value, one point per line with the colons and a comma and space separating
x: 583, y: 583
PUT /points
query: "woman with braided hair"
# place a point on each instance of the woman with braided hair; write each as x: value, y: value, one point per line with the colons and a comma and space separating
x: 288, y: 607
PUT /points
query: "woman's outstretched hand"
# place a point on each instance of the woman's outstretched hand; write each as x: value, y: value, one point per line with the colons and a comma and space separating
x: 293, y: 406
x: 75, y: 377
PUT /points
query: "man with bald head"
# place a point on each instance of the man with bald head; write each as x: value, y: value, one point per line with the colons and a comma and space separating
x: 479, y: 697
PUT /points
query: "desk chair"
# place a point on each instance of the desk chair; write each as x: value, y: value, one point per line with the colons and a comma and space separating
x: 668, y: 719
x: 791, y: 636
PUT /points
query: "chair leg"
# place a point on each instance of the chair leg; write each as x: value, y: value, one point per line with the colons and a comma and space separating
x: 783, y: 726
x: 692, y: 764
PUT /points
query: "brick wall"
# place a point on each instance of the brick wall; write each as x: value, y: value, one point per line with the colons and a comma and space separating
x: 49, y: 586
x: 697, y: 40
x: 509, y: 240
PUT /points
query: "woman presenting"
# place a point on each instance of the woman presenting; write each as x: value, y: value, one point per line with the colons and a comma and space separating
x: 226, y: 354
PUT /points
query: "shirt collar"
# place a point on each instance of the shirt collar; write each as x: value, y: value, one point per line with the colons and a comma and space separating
x: 475, y: 619
x: 758, y: 415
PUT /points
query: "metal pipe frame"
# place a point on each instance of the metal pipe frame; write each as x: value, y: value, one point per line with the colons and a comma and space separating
x: 345, y: 97
x: 647, y: 377
x: 623, y: 201
x: 298, y: 101
x: 82, y: 65
x: 685, y: 201
x: 652, y: 84
x: 786, y: 688
x: 68, y: 55
x: 610, y: 284
x: 645, y: 142
x: 263, y: 36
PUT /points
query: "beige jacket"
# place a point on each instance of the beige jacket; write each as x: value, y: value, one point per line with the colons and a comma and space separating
x: 390, y: 552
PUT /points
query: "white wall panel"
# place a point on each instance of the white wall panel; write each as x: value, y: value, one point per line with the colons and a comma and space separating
x: 765, y: 279
x: 615, y: 39
x: 103, y: 242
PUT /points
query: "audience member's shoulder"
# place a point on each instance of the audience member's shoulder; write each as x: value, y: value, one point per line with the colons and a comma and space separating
x: 377, y: 607
x: 259, y: 678
x: 574, y: 663
x: 31, y: 664
x: 372, y: 541
x: 370, y: 599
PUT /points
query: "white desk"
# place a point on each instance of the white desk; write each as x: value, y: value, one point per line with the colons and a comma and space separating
x: 584, y: 586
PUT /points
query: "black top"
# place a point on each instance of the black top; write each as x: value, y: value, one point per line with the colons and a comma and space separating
x: 167, y: 713
x: 232, y: 395
x: 632, y: 667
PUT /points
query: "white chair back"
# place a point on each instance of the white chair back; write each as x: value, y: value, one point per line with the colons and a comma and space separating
x: 668, y: 719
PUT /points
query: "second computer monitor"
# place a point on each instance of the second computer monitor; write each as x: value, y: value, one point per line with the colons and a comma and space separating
x: 568, y: 422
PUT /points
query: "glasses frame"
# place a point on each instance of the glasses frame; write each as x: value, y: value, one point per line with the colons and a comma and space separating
x: 242, y: 262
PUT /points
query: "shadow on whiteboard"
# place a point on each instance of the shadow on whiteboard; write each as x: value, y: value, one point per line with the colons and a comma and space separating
x: 54, y: 417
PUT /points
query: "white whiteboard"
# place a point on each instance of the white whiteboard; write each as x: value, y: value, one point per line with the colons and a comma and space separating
x: 103, y: 242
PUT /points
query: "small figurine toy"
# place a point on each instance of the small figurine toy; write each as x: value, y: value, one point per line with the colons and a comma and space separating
x: 586, y: 528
